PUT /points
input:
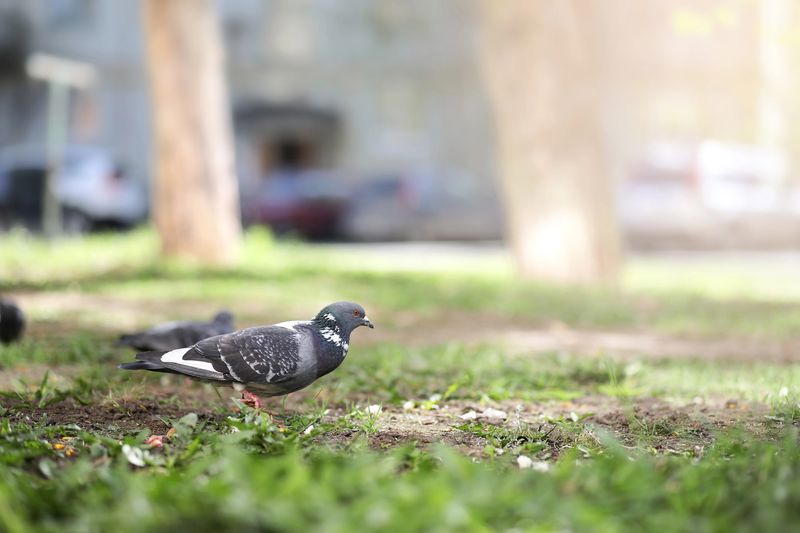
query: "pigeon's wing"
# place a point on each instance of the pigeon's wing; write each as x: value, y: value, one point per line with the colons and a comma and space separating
x: 266, y: 355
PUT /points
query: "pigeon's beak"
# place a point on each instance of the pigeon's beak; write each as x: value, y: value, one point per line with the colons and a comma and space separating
x: 367, y: 322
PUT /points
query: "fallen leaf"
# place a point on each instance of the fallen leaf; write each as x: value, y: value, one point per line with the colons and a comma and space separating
x: 134, y: 455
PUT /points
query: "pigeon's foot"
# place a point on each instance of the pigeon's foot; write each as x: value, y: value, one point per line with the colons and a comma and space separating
x: 251, y: 400
x: 155, y: 441
x: 248, y: 398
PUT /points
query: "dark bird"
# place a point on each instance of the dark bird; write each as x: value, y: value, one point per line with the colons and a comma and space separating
x: 12, y: 322
x: 265, y: 360
x: 173, y: 335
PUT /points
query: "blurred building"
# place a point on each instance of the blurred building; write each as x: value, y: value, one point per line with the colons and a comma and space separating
x: 106, y: 34
x: 385, y: 97
x: 376, y: 91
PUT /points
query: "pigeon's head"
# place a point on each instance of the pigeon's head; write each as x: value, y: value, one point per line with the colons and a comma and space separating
x: 346, y: 315
x: 224, y: 318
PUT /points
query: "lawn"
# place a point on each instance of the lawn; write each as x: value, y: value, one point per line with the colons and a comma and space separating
x: 478, y: 403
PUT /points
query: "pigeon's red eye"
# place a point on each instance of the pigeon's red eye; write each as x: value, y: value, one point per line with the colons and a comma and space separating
x: 356, y: 313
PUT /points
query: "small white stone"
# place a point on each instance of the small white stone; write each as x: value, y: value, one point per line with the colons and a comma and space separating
x: 374, y: 409
x: 494, y: 413
x: 308, y: 430
x: 784, y: 392
x: 435, y: 397
x: 499, y: 451
x: 408, y: 405
x: 523, y: 461
x: 469, y: 415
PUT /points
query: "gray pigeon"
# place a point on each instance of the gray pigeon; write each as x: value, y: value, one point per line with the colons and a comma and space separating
x: 12, y: 321
x: 267, y: 360
x: 174, y: 335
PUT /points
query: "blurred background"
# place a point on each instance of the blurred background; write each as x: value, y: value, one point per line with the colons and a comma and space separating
x: 572, y: 132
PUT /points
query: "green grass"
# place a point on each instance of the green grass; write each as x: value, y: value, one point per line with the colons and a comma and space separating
x: 285, y: 278
x: 394, y: 373
x: 262, y: 479
x: 327, y: 463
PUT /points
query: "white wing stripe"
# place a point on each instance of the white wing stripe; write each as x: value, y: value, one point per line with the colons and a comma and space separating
x: 176, y: 356
x: 291, y: 324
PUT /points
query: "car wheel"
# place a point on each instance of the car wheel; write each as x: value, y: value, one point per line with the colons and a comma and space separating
x: 76, y: 222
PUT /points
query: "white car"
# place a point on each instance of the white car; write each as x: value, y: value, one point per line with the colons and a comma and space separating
x: 708, y: 193
x: 91, y: 187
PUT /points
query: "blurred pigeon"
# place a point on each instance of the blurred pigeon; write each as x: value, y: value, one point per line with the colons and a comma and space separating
x: 270, y: 360
x: 12, y: 321
x: 174, y: 335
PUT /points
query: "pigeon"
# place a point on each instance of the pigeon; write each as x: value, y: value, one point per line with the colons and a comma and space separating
x: 267, y: 360
x: 173, y: 335
x: 12, y: 322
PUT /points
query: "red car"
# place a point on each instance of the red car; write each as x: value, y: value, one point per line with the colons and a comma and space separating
x: 307, y: 203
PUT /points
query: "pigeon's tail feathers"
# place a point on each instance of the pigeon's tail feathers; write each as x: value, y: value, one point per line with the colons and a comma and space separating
x: 145, y: 365
x: 151, y: 356
x: 148, y: 361
x: 173, y: 361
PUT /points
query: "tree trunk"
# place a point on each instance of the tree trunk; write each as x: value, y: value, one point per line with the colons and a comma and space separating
x: 778, y: 108
x: 195, y: 193
x: 540, y: 62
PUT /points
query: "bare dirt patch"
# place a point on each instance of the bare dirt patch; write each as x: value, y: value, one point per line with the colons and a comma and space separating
x: 111, y: 417
x: 661, y: 426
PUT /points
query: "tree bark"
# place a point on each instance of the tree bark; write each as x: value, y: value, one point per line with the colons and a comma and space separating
x: 540, y: 62
x: 195, y: 193
x: 778, y: 109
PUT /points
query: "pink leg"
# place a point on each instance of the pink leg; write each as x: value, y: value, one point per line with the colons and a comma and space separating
x: 156, y: 441
x: 248, y: 398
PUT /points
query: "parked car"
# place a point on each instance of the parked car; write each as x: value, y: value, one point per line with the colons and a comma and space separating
x: 93, y: 188
x: 422, y: 206
x: 309, y: 203
x: 709, y: 193
x: 319, y: 204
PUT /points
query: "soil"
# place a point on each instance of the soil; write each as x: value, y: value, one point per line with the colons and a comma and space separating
x: 112, y: 418
x: 665, y: 427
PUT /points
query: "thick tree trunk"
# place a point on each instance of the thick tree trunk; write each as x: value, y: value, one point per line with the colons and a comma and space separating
x: 778, y: 107
x: 540, y: 63
x: 195, y: 193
